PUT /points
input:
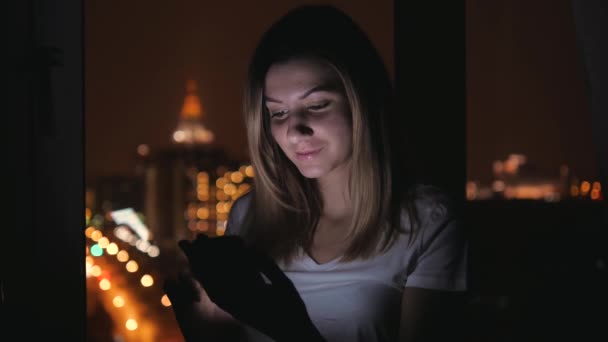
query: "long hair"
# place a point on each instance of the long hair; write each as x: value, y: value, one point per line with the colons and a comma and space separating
x: 286, y: 206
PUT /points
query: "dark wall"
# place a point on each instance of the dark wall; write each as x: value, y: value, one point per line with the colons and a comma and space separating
x: 430, y: 86
x: 591, y: 21
x: 538, y: 270
x: 43, y: 269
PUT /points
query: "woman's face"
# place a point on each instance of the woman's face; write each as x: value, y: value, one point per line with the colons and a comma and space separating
x: 309, y: 116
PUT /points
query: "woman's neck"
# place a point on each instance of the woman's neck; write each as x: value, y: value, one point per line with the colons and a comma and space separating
x: 334, y: 189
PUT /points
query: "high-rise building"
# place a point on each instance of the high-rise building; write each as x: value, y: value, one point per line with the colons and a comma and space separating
x: 191, y: 185
x: 190, y: 129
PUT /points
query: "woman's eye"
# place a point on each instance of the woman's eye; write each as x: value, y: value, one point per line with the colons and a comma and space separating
x: 319, y: 106
x: 278, y: 113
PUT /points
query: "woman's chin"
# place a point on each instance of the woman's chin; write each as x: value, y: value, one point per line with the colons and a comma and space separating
x: 312, y: 172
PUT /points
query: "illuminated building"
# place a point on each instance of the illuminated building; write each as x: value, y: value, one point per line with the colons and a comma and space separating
x: 190, y: 129
x: 190, y: 186
x: 516, y: 178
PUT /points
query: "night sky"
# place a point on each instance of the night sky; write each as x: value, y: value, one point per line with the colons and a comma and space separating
x: 524, y: 87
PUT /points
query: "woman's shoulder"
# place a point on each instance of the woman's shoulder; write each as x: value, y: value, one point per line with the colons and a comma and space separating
x: 430, y: 203
x: 438, y: 257
x: 428, y: 198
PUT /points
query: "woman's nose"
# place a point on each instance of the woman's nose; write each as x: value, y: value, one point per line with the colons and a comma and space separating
x: 297, y: 128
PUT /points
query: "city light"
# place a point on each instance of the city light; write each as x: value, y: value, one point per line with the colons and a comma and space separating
x: 105, y: 284
x: 595, y: 194
x: 143, y: 150
x: 153, y: 251
x: 203, y: 177
x: 585, y: 187
x: 103, y: 242
x: 96, y: 250
x: 179, y: 136
x: 597, y: 186
x: 244, y: 187
x: 221, y: 228
x: 112, y: 248
x: 211, y: 186
x: 122, y: 256
x: 95, y: 270
x: 516, y: 179
x: 249, y: 171
x: 202, y: 213
x: 142, y: 245
x: 574, y: 191
x: 88, y: 265
x: 131, y: 324
x: 122, y: 232
x: 230, y: 189
x: 118, y: 302
x: 192, y: 225
x: 236, y: 177
x: 132, y: 266
x: 147, y: 280
x: 203, y: 226
x: 89, y: 231
x: 96, y: 235
x: 164, y: 300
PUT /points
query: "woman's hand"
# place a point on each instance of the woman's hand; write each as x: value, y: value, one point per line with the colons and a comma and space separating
x: 250, y: 286
x: 199, y: 319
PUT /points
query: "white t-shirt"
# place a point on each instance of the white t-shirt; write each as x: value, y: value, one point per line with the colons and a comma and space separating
x: 360, y: 301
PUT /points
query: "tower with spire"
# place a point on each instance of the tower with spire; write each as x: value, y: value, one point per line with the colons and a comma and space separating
x: 190, y: 129
x: 191, y: 183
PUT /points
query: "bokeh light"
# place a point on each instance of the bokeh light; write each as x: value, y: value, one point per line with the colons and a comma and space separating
x: 112, y: 248
x: 95, y: 270
x: 153, y: 251
x: 132, y: 266
x: 147, y: 280
x: 131, y: 324
x: 249, y: 171
x: 236, y: 177
x: 96, y: 250
x: 164, y: 300
x: 103, y: 242
x: 96, y: 235
x: 118, y: 302
x: 105, y: 284
x: 89, y: 231
x: 122, y: 256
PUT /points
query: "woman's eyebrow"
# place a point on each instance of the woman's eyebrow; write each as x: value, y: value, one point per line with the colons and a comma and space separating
x: 321, y: 87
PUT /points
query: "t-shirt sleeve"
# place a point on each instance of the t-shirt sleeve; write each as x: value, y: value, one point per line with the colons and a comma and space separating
x: 237, y: 214
x: 441, y: 262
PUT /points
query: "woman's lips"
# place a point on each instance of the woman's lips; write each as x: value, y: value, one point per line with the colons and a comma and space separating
x: 308, y: 155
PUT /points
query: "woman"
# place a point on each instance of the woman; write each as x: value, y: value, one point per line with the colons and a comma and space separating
x: 372, y: 256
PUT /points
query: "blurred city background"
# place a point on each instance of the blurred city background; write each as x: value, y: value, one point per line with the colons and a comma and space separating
x: 166, y: 151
